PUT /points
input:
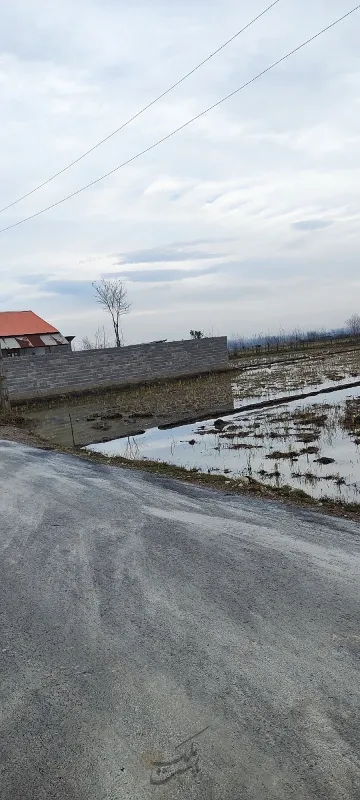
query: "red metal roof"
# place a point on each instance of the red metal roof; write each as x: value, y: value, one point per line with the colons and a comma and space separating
x: 32, y: 340
x: 23, y: 323
x: 16, y: 343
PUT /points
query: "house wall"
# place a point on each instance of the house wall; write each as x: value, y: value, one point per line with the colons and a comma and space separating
x: 75, y: 372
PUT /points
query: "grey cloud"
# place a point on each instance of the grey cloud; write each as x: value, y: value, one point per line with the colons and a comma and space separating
x: 312, y: 224
x: 61, y: 293
x: 78, y: 289
x: 33, y: 279
x: 58, y: 286
x: 158, y: 275
x: 170, y: 253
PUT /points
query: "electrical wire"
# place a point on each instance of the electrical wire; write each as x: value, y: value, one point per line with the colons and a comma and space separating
x: 185, y: 125
x: 142, y: 111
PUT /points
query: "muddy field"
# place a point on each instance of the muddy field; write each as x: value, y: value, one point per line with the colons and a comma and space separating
x: 97, y: 418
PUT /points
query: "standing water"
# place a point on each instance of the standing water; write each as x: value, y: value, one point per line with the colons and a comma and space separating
x: 309, y: 445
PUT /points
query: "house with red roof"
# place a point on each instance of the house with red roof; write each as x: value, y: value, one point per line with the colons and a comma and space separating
x: 23, y: 333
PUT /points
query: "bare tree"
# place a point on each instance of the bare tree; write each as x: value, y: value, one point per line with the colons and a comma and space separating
x: 111, y: 295
x: 86, y: 344
x: 101, y: 338
x: 100, y: 342
x: 353, y: 324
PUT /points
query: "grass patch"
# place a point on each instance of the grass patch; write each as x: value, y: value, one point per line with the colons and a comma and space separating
x: 306, y: 438
x: 310, y: 418
x: 278, y: 454
x: 242, y: 446
x: 13, y: 418
x: 312, y: 450
x: 240, y: 434
x: 335, y: 376
x: 264, y: 474
x: 308, y: 476
x: 351, y: 418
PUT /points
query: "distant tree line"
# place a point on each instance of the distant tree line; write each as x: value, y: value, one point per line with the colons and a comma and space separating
x: 296, y: 338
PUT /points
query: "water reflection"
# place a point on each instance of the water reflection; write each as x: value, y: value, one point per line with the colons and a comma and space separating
x: 304, y: 444
x: 118, y: 414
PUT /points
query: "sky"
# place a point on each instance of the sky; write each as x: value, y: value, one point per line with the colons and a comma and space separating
x: 245, y: 222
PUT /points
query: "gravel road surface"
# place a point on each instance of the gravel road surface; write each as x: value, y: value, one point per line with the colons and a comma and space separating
x: 164, y: 641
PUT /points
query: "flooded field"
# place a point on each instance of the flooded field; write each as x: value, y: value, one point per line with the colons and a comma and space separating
x: 313, y: 446
x: 287, y: 377
x: 110, y: 415
x: 219, y: 424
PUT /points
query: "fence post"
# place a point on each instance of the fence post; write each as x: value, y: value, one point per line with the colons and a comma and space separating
x: 72, y: 430
x: 4, y: 394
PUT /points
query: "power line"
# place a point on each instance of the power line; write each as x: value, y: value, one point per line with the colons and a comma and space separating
x: 142, y: 111
x: 185, y: 125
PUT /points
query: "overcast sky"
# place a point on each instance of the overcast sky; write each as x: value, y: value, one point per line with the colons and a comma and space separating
x: 246, y: 221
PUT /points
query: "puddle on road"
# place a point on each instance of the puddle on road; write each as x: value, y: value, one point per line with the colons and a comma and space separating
x: 306, y: 444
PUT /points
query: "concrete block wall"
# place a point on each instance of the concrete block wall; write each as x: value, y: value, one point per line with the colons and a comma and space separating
x: 73, y: 372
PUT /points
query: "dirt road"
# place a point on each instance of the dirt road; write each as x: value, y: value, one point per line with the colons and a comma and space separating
x: 164, y: 641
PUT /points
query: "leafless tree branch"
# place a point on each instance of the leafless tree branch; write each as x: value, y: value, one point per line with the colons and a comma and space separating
x: 101, y: 340
x: 111, y: 294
